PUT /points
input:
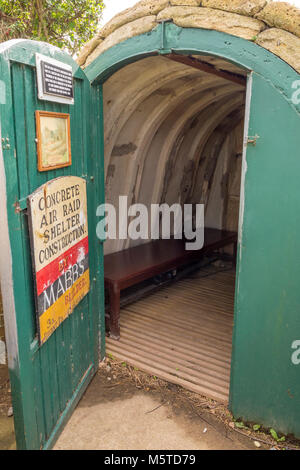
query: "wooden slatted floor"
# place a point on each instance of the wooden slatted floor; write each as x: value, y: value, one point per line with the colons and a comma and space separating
x: 182, y: 334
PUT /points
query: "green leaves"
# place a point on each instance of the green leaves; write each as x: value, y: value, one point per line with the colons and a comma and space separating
x: 275, y: 436
x: 240, y: 425
x: 67, y: 24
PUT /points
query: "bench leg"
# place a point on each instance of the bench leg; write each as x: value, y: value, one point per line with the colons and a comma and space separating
x: 114, y: 311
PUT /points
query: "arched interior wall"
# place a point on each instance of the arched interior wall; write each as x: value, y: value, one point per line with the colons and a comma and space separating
x: 174, y: 134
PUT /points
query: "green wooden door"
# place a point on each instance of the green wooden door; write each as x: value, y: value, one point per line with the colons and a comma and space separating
x: 47, y: 381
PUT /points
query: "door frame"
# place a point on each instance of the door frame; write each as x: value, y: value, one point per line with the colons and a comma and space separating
x: 260, y: 64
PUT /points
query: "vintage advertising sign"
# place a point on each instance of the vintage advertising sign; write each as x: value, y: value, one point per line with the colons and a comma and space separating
x: 55, y: 80
x: 58, y: 227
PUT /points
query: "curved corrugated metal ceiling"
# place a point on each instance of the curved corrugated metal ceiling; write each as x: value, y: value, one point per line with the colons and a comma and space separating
x: 160, y: 118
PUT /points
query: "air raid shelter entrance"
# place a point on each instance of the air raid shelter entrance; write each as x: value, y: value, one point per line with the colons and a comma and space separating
x: 164, y: 111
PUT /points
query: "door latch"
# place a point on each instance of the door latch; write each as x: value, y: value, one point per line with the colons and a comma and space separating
x: 252, y: 139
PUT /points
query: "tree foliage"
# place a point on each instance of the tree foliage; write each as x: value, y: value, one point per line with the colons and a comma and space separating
x: 67, y: 24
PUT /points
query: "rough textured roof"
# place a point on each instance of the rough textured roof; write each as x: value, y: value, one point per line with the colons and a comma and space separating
x: 273, y: 25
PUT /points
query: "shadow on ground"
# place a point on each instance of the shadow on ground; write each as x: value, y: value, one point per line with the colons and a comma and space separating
x: 119, y: 412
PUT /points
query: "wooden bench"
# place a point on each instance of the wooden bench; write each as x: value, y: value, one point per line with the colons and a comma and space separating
x: 134, y: 265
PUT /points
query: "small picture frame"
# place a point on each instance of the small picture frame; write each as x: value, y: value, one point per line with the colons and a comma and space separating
x: 53, y: 140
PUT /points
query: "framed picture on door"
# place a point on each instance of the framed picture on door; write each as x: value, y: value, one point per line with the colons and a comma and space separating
x: 53, y: 140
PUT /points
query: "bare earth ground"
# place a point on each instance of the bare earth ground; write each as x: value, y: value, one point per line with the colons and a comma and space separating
x: 125, y: 409
x: 7, y: 437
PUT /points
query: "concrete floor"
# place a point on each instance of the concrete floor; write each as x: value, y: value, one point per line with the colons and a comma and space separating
x: 7, y: 434
x: 121, y: 417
